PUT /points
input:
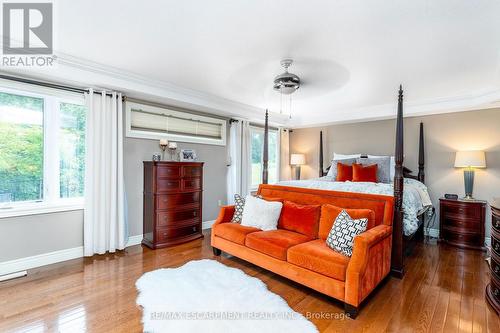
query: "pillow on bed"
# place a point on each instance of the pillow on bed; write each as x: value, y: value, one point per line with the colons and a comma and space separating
x: 392, y: 165
x: 361, y: 173
x: 333, y: 168
x: 344, y: 172
x: 344, y: 157
x: 384, y: 167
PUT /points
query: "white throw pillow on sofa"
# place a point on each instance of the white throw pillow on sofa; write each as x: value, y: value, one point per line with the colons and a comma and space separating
x: 261, y: 214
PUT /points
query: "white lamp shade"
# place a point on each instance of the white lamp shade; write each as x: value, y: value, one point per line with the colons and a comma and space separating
x: 297, y: 159
x: 470, y: 159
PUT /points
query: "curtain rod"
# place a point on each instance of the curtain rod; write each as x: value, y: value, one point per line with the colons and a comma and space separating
x: 48, y: 84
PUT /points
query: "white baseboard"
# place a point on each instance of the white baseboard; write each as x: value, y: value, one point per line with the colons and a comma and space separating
x: 207, y: 224
x: 435, y: 234
x: 22, y: 264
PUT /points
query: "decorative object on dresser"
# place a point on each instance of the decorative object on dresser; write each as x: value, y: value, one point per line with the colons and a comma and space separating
x: 163, y: 146
x: 462, y: 222
x: 297, y: 160
x: 469, y: 160
x: 172, y: 206
x: 187, y: 155
x: 493, y: 288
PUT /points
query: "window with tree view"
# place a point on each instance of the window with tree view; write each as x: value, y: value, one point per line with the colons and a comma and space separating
x: 42, y: 148
x: 257, y: 137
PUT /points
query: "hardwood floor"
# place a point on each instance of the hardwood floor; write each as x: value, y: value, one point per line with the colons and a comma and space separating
x: 442, y: 291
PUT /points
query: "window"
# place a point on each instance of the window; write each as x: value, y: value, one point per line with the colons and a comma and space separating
x: 42, y: 150
x: 150, y: 122
x: 257, y: 137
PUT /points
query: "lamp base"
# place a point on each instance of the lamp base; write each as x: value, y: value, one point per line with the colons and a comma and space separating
x: 297, y: 172
x: 469, y: 183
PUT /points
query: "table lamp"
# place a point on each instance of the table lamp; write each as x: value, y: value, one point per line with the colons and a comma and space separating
x: 469, y: 160
x: 297, y: 160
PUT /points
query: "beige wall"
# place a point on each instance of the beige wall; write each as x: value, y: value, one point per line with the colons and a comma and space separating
x: 444, y: 135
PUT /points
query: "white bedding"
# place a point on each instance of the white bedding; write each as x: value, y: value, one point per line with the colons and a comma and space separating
x: 415, y: 195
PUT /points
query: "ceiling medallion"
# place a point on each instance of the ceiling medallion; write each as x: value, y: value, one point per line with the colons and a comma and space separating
x: 286, y: 84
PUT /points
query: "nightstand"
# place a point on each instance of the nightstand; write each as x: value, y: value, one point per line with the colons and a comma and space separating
x: 462, y: 222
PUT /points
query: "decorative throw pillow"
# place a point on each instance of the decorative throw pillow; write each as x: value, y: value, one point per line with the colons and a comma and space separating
x: 341, y: 237
x: 260, y: 213
x: 330, y: 212
x: 383, y: 167
x: 303, y: 219
x: 361, y: 173
x: 239, y: 204
x: 332, y: 173
x: 344, y: 172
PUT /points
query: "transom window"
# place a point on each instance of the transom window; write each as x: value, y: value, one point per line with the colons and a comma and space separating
x: 42, y: 149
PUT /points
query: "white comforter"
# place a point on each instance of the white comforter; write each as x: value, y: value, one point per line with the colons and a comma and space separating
x: 415, y: 195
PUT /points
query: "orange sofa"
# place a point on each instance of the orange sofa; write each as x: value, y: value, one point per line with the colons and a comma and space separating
x: 304, y: 257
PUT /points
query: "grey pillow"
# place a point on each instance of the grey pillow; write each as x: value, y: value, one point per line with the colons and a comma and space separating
x: 383, y: 169
x: 333, y: 168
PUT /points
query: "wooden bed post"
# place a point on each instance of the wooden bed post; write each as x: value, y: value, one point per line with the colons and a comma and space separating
x: 265, y: 157
x: 421, y: 157
x: 397, y: 265
x: 321, y: 172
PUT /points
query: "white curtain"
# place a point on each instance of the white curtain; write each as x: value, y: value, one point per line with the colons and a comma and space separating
x: 285, y: 170
x: 105, y: 227
x: 239, y: 164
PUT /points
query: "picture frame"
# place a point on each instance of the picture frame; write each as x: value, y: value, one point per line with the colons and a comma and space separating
x: 187, y: 155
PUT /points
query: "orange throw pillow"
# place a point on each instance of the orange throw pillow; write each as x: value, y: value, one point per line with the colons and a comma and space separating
x: 303, y: 219
x: 344, y: 172
x: 361, y: 173
x: 330, y: 212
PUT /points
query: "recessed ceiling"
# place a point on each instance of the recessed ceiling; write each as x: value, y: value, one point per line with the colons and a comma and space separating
x: 350, y: 55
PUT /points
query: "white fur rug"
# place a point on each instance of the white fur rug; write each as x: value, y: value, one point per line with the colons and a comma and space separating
x: 207, y: 296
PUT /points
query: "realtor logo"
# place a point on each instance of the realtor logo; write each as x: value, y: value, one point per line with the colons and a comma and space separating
x: 27, y: 28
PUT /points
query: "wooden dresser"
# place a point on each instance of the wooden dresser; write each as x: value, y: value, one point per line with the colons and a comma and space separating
x: 462, y: 222
x: 493, y: 288
x: 172, y: 206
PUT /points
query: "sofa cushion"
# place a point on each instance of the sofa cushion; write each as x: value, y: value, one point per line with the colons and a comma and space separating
x: 330, y: 212
x: 303, y: 219
x: 274, y: 243
x: 233, y: 232
x: 318, y: 257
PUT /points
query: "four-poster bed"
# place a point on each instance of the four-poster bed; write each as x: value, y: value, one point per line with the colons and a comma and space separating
x: 401, y: 243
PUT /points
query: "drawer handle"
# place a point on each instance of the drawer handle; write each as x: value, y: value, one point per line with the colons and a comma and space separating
x: 194, y: 228
x: 165, y: 200
x: 497, y: 224
x: 497, y: 246
x: 496, y: 292
x: 164, y: 218
x: 194, y: 213
x: 164, y: 234
x: 497, y: 269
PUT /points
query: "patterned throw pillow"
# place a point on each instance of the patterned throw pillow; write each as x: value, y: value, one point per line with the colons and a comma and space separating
x: 341, y: 237
x: 239, y: 204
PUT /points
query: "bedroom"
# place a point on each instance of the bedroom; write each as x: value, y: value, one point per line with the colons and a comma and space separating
x: 180, y: 72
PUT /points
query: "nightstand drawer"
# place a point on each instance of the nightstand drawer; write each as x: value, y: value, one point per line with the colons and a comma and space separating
x: 461, y: 210
x: 457, y: 238
x: 463, y: 224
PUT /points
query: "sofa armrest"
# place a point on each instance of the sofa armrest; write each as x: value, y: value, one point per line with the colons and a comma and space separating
x: 225, y: 215
x: 370, y: 263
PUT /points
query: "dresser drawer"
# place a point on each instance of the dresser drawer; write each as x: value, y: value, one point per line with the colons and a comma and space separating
x: 168, y: 201
x: 168, y: 185
x: 191, y: 171
x: 495, y: 265
x: 166, y: 234
x: 460, y: 210
x: 189, y: 184
x: 495, y: 244
x: 170, y: 217
x: 495, y: 223
x: 168, y: 171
